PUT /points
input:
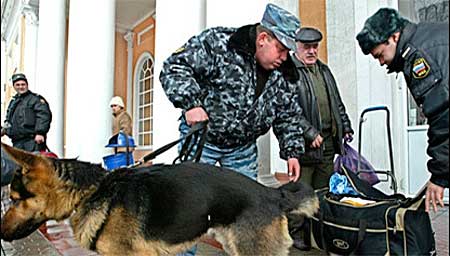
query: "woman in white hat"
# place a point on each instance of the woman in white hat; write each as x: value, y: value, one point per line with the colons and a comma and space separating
x: 121, y: 119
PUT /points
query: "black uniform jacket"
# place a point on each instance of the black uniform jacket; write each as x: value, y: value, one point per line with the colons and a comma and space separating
x: 28, y: 114
x: 422, y: 56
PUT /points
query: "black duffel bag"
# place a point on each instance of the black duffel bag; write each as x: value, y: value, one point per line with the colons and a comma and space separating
x: 391, y: 225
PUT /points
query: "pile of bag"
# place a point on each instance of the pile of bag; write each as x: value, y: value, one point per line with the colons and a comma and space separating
x: 371, y: 222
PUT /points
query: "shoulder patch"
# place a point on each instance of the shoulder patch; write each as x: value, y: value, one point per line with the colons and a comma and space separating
x: 179, y: 50
x: 42, y: 101
x: 420, y: 68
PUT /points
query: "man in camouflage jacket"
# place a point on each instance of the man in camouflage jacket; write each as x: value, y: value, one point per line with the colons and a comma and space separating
x: 236, y: 79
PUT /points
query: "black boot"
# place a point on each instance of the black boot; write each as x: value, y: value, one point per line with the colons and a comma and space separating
x: 299, y: 229
x: 302, y: 238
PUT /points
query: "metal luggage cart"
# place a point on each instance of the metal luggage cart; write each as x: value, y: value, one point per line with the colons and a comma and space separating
x: 389, y: 172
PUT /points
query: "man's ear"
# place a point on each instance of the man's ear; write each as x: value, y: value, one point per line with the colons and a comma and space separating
x: 396, y: 36
x: 261, y: 37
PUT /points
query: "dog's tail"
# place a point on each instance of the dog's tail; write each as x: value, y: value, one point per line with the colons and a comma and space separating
x: 299, y: 198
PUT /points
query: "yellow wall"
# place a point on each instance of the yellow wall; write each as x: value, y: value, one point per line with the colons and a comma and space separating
x: 120, y: 67
x: 312, y: 13
x: 147, y: 39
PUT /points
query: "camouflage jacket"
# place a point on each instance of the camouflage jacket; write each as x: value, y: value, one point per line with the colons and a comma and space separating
x: 216, y: 70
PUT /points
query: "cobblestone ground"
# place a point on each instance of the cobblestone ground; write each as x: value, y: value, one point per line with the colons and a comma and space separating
x: 58, y: 240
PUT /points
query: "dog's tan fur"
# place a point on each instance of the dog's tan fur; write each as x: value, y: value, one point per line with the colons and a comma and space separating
x: 50, y: 189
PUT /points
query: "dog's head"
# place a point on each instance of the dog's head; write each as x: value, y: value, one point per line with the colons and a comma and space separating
x: 30, y: 187
x: 43, y: 189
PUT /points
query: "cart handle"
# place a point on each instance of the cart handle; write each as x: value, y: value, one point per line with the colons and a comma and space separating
x: 388, y: 131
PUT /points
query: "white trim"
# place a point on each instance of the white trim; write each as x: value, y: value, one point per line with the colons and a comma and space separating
x: 129, y: 36
x: 137, y: 68
x: 139, y: 21
x: 423, y: 127
x: 143, y: 32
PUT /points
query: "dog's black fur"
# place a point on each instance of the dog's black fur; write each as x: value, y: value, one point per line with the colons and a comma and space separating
x: 162, y: 209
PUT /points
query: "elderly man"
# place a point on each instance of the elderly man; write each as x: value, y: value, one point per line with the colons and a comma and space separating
x: 324, y: 120
x: 28, y: 117
x: 236, y: 79
x: 420, y: 51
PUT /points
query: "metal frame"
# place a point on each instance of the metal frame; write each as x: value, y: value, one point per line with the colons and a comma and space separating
x: 389, y: 173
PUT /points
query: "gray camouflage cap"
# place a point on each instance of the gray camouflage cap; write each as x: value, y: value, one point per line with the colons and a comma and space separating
x: 282, y: 23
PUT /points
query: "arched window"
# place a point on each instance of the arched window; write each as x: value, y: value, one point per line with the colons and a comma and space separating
x: 143, y: 111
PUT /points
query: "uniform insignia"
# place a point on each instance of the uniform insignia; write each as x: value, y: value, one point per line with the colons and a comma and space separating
x: 179, y: 50
x: 42, y: 101
x: 420, y: 68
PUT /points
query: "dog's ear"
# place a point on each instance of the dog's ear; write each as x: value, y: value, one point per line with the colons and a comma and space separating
x: 21, y: 157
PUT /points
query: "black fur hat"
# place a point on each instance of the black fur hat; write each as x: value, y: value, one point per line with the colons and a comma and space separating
x: 379, y: 27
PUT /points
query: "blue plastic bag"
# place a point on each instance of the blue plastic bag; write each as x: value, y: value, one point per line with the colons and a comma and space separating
x: 339, y: 185
x: 349, y: 160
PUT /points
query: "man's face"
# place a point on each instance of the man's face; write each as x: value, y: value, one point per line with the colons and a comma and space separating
x: 20, y: 86
x: 385, y: 52
x: 307, y: 53
x: 270, y: 53
x: 115, y: 108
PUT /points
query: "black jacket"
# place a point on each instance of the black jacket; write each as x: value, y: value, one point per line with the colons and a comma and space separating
x: 310, y: 117
x: 422, y: 56
x: 28, y: 114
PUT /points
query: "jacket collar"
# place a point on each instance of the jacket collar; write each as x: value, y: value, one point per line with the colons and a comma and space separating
x: 398, y: 62
x: 244, y: 42
x: 17, y: 96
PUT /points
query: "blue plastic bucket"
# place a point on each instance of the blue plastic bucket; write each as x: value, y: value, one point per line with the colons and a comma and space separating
x: 118, y: 160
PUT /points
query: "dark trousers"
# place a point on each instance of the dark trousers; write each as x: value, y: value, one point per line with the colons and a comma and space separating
x: 317, y: 176
x: 29, y: 144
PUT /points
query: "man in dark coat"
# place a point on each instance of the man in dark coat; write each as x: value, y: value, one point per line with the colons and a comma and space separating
x: 420, y: 51
x: 28, y: 117
x: 324, y: 120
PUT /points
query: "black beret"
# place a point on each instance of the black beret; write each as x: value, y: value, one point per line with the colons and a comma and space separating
x: 308, y: 35
x: 379, y: 27
x: 17, y: 77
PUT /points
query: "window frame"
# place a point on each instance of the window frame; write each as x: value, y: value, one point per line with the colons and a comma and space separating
x: 143, y: 58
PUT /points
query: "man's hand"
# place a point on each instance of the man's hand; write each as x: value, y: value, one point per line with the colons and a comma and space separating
x: 317, y: 141
x: 435, y: 196
x: 195, y: 115
x: 293, y: 169
x: 39, y: 139
x: 348, y: 137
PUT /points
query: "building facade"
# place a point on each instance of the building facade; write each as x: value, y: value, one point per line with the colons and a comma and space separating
x: 78, y: 54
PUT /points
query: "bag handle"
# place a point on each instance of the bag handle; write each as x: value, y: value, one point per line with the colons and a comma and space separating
x: 361, y: 234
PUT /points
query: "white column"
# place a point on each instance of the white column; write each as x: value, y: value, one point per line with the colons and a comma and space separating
x: 169, y: 37
x: 129, y: 36
x: 30, y: 47
x: 249, y: 11
x: 50, y: 66
x: 90, y: 78
x: 3, y: 73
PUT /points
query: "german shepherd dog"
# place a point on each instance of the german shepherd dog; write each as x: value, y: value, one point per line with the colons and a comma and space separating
x: 157, y: 210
